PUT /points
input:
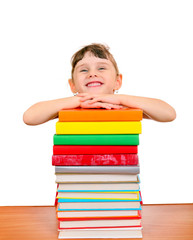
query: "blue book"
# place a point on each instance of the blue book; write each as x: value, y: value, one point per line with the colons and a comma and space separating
x: 78, y: 200
x: 99, y: 191
x: 71, y: 207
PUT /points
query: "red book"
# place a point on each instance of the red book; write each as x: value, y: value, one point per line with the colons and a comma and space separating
x: 56, y: 199
x: 94, y: 160
x: 105, y: 227
x: 99, y: 217
x: 141, y: 198
x: 83, y: 149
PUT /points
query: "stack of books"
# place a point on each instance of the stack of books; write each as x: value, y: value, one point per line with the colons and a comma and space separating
x: 95, y: 155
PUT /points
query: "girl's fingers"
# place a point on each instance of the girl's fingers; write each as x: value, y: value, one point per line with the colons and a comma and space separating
x: 105, y: 99
x: 83, y: 99
x: 98, y: 104
x: 96, y: 99
x: 86, y: 97
x: 109, y: 105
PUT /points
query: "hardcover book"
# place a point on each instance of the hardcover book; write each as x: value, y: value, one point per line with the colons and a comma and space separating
x: 95, y: 178
x: 86, y: 224
x: 73, y: 200
x: 85, y: 149
x: 99, y: 206
x: 97, y: 215
x: 98, y: 187
x: 80, y: 114
x: 95, y: 159
x: 99, y: 196
x: 96, y: 139
x: 98, y: 169
x: 101, y: 233
x: 98, y: 127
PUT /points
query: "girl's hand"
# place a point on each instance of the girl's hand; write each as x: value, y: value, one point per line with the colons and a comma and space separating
x: 103, y: 98
x: 87, y: 104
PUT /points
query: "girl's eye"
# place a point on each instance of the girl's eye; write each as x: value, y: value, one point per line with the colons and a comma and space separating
x: 83, y: 70
x: 101, y: 68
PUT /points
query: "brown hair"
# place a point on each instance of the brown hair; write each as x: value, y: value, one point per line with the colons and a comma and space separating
x: 98, y: 50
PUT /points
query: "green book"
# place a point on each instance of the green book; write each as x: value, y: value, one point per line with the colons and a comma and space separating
x: 96, y: 139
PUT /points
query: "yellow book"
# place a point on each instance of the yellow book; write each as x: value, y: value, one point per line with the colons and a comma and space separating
x: 112, y: 196
x: 98, y: 127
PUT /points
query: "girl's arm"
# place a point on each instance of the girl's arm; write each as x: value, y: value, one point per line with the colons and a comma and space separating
x: 153, y: 108
x: 44, y: 111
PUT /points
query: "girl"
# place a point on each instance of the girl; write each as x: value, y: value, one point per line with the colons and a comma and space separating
x: 94, y: 79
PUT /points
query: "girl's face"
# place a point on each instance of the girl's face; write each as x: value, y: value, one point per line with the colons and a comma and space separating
x: 95, y: 75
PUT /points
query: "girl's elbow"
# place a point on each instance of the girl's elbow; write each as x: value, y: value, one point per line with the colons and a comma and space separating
x: 171, y: 116
x: 27, y: 119
x: 168, y: 115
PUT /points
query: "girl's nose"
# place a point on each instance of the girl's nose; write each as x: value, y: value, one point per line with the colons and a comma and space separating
x: 92, y: 75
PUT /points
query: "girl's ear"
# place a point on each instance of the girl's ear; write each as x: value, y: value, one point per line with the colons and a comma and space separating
x: 72, y: 86
x: 118, y: 83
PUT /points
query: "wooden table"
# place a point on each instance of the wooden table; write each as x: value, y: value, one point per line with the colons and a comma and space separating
x: 160, y: 222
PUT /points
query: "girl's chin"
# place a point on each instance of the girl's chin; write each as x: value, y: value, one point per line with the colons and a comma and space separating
x: 94, y: 90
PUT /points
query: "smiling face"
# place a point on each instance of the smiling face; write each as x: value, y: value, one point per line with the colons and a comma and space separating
x: 95, y: 75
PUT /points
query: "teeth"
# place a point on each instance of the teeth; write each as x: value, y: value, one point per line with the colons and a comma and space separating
x: 93, y: 84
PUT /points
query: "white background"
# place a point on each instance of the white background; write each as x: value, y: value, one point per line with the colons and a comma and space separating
x: 152, y: 42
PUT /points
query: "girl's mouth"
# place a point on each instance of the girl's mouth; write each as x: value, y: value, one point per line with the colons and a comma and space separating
x: 94, y: 84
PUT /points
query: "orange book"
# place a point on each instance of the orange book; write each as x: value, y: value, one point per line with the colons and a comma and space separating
x: 97, y: 115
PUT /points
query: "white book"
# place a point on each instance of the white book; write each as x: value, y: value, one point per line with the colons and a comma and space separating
x: 84, y: 214
x: 128, y: 205
x: 89, y: 195
x: 61, y: 178
x: 101, y: 233
x: 98, y: 186
x: 100, y: 223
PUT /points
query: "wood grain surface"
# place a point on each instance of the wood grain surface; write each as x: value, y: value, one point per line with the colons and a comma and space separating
x: 160, y: 222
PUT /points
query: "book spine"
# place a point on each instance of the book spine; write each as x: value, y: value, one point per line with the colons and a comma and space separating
x: 101, y: 227
x: 94, y: 160
x: 98, y: 218
x: 98, y: 209
x: 96, y: 139
x: 98, y: 169
x: 78, y: 114
x: 98, y: 127
x: 82, y: 149
x: 73, y: 200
